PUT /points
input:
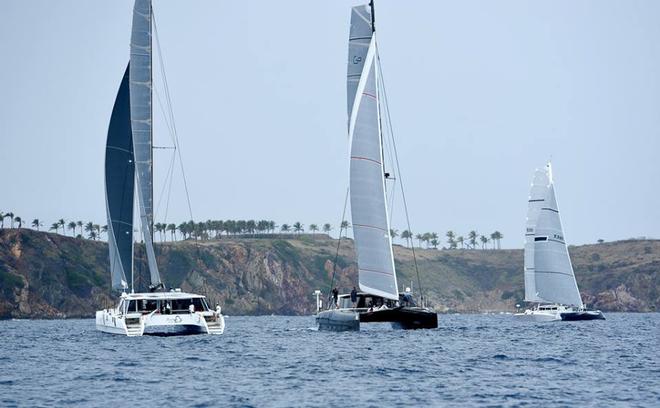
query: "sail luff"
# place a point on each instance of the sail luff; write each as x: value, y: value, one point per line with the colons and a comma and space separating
x: 141, y: 95
x: 553, y: 271
x: 373, y: 244
x: 119, y: 187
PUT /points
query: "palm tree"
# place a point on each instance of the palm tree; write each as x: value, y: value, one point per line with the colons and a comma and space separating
x: 80, y: 225
x: 326, y: 228
x: 472, y: 236
x: 393, y: 233
x: 11, y: 219
x: 298, y: 227
x: 313, y: 228
x: 62, y: 224
x: 484, y: 241
x: 104, y: 229
x: 72, y: 226
x: 19, y: 220
x: 285, y: 228
x: 89, y: 228
x: 92, y: 235
x: 435, y: 243
x: 497, y: 236
x: 434, y: 236
x: 460, y: 240
x: 451, y: 239
x: 407, y: 235
x: 2, y: 219
x: 419, y: 238
x: 55, y: 227
x: 172, y: 229
x: 36, y: 223
x: 344, y: 226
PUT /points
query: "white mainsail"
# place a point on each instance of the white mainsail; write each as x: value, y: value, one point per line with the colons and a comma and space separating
x: 554, y: 279
x: 141, y: 97
x: 535, y: 202
x: 371, y: 229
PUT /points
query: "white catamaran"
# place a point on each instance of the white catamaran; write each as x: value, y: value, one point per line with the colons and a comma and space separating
x: 378, y: 299
x: 129, y: 168
x: 549, y: 278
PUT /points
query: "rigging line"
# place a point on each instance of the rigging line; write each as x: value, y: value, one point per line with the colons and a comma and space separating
x: 162, y: 109
x: 169, y: 188
x: 334, y: 264
x: 398, y: 169
x: 165, y: 184
x: 169, y: 103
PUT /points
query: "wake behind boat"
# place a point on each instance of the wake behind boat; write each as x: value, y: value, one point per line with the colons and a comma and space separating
x: 129, y: 168
x: 379, y: 299
x: 549, y: 277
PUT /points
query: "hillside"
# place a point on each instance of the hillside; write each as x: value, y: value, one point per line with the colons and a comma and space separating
x: 49, y: 275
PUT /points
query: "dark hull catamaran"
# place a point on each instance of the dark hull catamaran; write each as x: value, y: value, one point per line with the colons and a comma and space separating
x: 379, y: 299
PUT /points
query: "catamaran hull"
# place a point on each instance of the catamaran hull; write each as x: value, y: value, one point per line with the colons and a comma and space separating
x: 583, y: 315
x: 404, y: 318
x: 570, y: 315
x: 158, y: 325
x: 338, y: 320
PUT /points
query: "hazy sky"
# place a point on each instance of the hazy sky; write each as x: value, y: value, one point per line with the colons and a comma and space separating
x: 481, y: 93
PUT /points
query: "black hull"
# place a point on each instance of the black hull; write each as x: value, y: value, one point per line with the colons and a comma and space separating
x: 406, y: 318
x: 584, y: 315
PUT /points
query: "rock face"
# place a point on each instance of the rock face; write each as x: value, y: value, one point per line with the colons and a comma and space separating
x: 49, y: 275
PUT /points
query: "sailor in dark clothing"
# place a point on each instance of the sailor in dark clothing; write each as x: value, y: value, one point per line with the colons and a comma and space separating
x: 335, y: 296
x: 354, y: 296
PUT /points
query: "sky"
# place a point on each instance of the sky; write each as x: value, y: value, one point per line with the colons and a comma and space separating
x: 481, y: 93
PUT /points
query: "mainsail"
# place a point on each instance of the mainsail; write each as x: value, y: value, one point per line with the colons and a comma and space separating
x: 371, y: 229
x: 535, y: 202
x: 119, y: 187
x: 554, y: 279
x: 141, y: 95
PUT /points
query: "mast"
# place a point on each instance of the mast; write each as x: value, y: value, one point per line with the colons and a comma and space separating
x: 151, y: 111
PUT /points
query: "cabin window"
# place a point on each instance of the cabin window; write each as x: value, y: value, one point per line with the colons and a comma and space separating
x: 147, y: 305
x: 540, y: 238
x: 132, y: 306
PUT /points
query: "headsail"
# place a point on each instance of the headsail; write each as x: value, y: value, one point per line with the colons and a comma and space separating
x: 119, y: 187
x: 553, y: 272
x: 535, y: 202
x: 371, y: 229
x: 141, y: 88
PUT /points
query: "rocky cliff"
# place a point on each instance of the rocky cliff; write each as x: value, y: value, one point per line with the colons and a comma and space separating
x: 49, y: 275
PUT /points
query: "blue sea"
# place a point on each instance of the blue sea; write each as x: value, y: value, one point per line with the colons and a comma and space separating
x: 276, y: 361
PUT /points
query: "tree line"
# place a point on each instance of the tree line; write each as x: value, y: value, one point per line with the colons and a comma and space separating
x: 216, y: 229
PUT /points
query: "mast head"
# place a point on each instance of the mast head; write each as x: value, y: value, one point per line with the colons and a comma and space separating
x: 549, y: 171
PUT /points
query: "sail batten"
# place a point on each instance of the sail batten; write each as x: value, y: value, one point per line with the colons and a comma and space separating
x: 373, y: 244
x: 141, y: 95
x: 549, y: 275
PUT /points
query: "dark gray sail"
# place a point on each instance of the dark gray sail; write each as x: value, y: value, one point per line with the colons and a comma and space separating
x: 141, y: 90
x: 119, y: 186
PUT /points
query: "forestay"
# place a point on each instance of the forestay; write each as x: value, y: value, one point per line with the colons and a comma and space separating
x: 553, y: 272
x: 141, y: 97
x: 367, y: 183
x: 119, y: 187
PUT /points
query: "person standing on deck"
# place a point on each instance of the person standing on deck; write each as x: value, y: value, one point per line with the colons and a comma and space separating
x: 335, y: 297
x: 354, y: 297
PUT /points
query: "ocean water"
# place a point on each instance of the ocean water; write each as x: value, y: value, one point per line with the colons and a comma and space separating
x: 470, y: 360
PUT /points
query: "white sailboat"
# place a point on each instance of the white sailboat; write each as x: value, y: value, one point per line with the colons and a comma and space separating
x: 129, y: 168
x: 379, y: 299
x: 549, y: 278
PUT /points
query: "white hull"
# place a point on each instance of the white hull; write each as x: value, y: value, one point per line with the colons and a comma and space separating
x: 539, y: 315
x: 109, y: 321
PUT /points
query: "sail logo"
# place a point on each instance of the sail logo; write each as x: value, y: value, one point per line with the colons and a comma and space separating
x: 357, y: 59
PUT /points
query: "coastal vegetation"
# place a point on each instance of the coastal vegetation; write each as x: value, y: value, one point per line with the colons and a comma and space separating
x: 217, y: 229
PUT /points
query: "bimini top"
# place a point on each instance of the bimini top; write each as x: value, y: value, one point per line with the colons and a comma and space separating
x: 161, y: 295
